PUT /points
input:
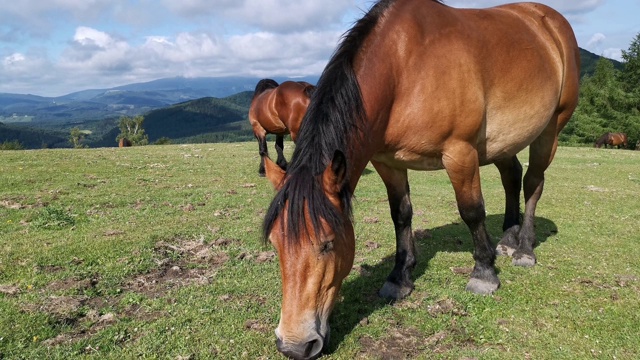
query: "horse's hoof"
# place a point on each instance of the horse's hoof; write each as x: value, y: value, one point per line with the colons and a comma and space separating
x: 509, y: 243
x: 394, y: 291
x: 482, y: 287
x: 524, y: 260
x: 504, y: 250
x: 262, y: 174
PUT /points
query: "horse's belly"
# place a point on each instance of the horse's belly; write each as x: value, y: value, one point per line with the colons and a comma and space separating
x: 508, y: 132
x: 405, y: 159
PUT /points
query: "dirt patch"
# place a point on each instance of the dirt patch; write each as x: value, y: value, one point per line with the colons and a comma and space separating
x: 187, y: 262
x: 466, y: 271
x: 113, y: 232
x: 9, y: 290
x: 180, y: 263
x: 371, y: 245
x: 370, y: 220
x: 400, y: 343
x: 446, y: 306
x: 77, y: 285
x: 15, y: 205
x: 257, y: 325
x: 64, y: 309
x: 265, y: 256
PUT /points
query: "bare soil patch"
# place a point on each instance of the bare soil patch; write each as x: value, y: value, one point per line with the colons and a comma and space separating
x: 181, y: 262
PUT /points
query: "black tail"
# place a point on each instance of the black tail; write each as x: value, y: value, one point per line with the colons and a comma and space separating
x: 263, y: 85
x: 309, y: 90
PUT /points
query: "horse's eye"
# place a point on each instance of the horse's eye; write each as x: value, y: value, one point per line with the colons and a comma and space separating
x: 326, y: 247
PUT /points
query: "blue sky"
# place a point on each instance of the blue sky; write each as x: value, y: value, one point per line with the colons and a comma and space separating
x: 56, y: 47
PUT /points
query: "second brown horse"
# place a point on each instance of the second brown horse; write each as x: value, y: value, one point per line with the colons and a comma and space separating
x: 613, y: 139
x: 278, y: 109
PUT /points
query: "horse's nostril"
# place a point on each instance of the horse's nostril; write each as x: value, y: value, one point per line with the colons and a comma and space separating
x: 313, y: 348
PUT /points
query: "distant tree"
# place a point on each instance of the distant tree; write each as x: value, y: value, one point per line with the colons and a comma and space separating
x: 131, y: 128
x: 631, y: 70
x: 163, y: 141
x: 603, y: 92
x: 11, y: 145
x: 76, y: 138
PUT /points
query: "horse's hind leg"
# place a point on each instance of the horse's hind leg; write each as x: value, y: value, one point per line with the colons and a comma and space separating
x: 511, y: 175
x: 462, y: 165
x: 399, y: 283
x: 541, y: 152
x: 281, y: 161
x: 262, y: 149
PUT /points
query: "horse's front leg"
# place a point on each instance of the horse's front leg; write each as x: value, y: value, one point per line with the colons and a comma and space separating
x: 399, y: 283
x: 462, y: 165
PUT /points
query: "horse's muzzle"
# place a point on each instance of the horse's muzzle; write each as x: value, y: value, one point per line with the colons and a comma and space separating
x: 307, y: 350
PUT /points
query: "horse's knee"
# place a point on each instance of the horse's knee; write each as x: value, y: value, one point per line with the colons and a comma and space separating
x: 472, y: 214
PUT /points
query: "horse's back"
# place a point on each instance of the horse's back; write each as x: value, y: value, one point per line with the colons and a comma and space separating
x: 492, y: 77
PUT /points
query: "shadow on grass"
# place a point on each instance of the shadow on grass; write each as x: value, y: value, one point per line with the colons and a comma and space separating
x: 360, y: 298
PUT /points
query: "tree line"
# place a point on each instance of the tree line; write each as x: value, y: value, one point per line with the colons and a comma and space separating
x: 609, y: 101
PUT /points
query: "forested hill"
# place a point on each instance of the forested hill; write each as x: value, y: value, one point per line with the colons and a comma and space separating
x: 588, y: 61
x: 184, y: 121
x: 198, y: 117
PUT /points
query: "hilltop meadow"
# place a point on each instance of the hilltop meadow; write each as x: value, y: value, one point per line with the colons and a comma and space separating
x: 155, y: 252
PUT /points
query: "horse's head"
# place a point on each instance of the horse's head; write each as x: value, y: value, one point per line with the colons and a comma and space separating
x: 316, y: 253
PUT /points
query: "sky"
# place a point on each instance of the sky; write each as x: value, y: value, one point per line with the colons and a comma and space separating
x: 56, y: 47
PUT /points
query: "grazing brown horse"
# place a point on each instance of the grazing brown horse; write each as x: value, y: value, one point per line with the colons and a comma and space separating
x: 613, y: 139
x: 124, y: 142
x: 418, y: 85
x: 278, y: 109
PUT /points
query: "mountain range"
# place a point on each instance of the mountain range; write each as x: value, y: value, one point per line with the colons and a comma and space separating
x: 182, y: 109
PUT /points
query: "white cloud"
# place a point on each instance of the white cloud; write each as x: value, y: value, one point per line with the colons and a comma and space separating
x: 613, y: 53
x: 13, y: 59
x: 95, y: 52
x: 596, y: 39
x: 269, y: 15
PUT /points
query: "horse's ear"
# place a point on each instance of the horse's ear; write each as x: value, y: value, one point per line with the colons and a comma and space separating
x: 335, y: 175
x: 274, y: 173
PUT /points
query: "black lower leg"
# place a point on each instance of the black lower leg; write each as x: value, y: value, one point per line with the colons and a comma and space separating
x: 262, y: 149
x: 483, y: 278
x: 281, y: 161
x: 533, y: 186
x: 511, y: 176
x: 399, y: 283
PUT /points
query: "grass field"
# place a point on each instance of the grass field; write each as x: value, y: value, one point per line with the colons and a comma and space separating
x: 155, y: 252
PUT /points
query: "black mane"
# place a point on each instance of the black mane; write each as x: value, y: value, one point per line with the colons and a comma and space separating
x: 330, y: 124
x: 263, y: 85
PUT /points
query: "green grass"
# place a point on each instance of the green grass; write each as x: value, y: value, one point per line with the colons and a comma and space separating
x: 155, y: 252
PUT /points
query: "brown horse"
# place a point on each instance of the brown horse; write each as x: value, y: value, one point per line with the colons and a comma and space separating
x: 418, y: 85
x: 613, y: 139
x: 124, y: 142
x: 278, y: 109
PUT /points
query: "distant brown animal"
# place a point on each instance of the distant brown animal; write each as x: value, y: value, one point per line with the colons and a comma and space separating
x: 278, y: 109
x: 418, y: 85
x: 613, y: 139
x: 124, y: 142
